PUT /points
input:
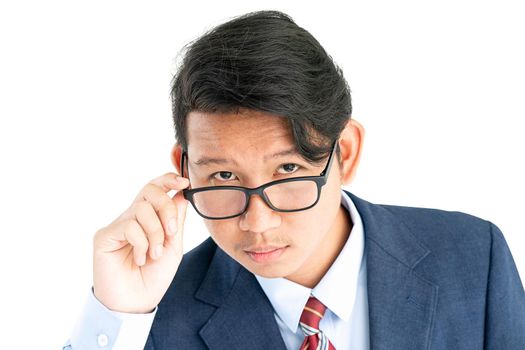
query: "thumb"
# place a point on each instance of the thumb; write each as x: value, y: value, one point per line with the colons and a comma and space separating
x: 175, y: 242
x: 182, y: 204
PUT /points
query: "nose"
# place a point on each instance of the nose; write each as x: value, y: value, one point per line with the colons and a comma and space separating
x: 259, y: 217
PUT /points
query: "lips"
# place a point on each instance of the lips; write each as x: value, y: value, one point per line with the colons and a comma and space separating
x: 265, y: 254
x: 262, y: 249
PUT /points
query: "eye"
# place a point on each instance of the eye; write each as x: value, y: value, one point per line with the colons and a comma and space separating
x: 289, y: 168
x: 223, y: 176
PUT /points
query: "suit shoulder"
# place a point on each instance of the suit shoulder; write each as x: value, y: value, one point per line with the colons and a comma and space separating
x: 426, y: 221
x: 196, y: 261
x: 447, y: 229
x: 205, y: 248
x: 455, y: 220
x: 192, y: 270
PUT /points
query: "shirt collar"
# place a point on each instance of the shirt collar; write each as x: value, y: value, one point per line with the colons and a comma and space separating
x: 337, y: 288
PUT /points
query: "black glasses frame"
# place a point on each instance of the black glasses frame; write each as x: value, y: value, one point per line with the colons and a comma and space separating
x: 320, y: 181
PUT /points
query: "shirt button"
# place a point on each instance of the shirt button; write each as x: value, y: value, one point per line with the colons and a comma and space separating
x: 102, y: 340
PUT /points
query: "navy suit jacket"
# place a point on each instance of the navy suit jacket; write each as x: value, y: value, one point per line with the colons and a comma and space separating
x: 436, y: 280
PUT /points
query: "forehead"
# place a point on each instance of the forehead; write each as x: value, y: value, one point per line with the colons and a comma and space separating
x: 216, y: 132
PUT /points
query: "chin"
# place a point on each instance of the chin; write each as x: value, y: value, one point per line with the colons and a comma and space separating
x: 267, y: 271
x: 269, y: 274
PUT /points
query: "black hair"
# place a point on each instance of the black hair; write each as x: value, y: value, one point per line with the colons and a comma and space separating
x: 264, y: 61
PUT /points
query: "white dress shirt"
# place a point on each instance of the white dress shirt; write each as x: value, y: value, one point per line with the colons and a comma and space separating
x: 342, y: 290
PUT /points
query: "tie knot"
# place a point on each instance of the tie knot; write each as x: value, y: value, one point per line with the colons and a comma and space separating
x: 312, y: 314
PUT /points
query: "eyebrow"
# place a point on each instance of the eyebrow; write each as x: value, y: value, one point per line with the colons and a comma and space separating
x: 205, y: 161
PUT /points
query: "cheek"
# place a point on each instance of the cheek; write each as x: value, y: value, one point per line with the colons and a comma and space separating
x: 224, y: 233
x: 303, y: 228
x: 312, y: 225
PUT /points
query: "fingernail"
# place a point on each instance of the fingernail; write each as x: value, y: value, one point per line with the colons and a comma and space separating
x: 181, y: 179
x: 141, y: 260
x: 172, y: 226
x: 158, y: 251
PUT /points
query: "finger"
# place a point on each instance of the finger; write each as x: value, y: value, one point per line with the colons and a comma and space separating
x: 164, y: 184
x: 152, y: 227
x: 130, y: 231
x: 182, y: 204
x: 164, y: 205
x: 170, y: 181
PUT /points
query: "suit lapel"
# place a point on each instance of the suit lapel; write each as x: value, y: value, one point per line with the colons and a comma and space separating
x: 401, y: 304
x: 244, y: 318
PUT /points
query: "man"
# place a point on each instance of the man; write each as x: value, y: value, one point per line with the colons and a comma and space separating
x: 265, y: 141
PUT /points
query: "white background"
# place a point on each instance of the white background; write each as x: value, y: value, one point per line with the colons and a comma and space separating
x: 85, y: 123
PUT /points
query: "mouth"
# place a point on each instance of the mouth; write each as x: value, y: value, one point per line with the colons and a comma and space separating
x: 265, y: 254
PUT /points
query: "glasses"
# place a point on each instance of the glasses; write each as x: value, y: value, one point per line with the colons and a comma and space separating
x: 286, y: 195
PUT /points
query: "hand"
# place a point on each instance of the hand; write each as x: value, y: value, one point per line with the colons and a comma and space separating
x: 136, y: 256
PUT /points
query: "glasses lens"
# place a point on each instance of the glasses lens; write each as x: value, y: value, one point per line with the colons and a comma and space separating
x: 292, y: 195
x: 219, y: 203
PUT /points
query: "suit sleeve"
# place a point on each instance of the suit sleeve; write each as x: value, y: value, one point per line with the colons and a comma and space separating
x: 505, y: 305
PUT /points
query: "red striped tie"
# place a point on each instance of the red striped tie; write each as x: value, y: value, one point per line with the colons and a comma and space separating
x: 314, y: 338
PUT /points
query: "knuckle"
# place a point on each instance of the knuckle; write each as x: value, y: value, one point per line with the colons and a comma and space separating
x: 169, y: 207
x: 140, y: 206
x: 141, y: 245
x: 100, y: 232
x: 140, y: 248
x: 158, y: 234
x: 144, y: 192
x: 149, y: 186
x: 130, y: 225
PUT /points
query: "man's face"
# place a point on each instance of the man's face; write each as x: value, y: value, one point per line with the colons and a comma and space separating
x: 242, y: 141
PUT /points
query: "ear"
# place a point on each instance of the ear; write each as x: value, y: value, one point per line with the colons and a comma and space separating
x: 176, y: 154
x: 350, y: 144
